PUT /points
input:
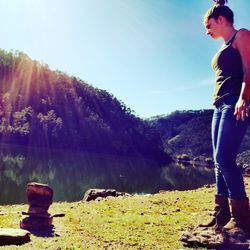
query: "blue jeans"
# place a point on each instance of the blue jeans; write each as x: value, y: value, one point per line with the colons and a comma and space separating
x: 227, y: 134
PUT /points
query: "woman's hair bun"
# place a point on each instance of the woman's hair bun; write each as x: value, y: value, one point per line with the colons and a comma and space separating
x: 220, y: 2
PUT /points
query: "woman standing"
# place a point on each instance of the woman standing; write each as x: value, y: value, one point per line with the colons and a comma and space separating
x: 231, y: 115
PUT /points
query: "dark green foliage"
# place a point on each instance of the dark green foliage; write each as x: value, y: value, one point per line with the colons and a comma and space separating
x: 244, y: 157
x: 44, y: 108
x: 189, y: 132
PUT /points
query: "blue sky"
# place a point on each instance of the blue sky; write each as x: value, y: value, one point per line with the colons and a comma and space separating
x: 154, y: 55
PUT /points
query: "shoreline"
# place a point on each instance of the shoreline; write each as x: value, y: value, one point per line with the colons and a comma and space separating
x: 126, y: 222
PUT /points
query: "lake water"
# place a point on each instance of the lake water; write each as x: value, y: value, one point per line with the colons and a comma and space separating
x: 70, y: 174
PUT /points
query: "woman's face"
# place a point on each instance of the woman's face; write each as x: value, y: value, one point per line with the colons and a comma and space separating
x: 213, y: 27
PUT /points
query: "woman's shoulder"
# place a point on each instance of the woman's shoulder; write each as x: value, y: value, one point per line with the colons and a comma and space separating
x: 242, y: 33
x: 242, y: 36
x: 242, y: 42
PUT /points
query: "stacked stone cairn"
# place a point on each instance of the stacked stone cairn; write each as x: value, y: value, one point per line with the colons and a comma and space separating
x: 39, y: 198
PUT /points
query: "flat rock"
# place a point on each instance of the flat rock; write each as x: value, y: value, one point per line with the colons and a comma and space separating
x: 93, y: 194
x: 36, y: 223
x: 209, y: 238
x: 12, y: 236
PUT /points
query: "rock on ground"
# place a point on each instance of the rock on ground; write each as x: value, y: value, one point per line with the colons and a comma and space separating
x: 211, y: 239
x: 93, y: 194
x: 11, y: 236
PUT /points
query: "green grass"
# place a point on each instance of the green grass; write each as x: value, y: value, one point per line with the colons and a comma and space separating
x: 136, y: 222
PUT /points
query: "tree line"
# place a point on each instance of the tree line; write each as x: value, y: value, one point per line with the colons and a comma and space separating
x: 44, y: 108
x: 189, y: 132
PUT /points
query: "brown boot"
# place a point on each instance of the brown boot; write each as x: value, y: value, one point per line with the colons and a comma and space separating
x: 221, y: 215
x: 240, y: 216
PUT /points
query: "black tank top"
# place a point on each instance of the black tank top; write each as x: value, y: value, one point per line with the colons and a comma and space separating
x: 228, y: 68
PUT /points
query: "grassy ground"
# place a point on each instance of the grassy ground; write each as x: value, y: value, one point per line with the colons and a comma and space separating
x: 137, y: 222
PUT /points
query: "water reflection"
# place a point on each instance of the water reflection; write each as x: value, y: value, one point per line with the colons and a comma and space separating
x: 70, y: 174
x: 184, y: 177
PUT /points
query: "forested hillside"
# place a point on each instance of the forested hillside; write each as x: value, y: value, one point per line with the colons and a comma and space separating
x: 44, y: 108
x: 189, y: 132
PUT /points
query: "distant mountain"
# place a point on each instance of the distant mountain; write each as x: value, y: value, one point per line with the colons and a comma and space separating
x: 189, y: 132
x: 44, y: 108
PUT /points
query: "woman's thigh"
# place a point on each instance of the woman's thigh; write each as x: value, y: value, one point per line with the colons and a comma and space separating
x: 229, y: 135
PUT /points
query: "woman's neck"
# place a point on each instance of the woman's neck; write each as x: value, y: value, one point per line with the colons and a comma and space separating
x: 228, y: 33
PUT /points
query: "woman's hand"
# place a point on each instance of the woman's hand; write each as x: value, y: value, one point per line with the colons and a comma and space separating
x: 242, y: 44
x: 241, y: 109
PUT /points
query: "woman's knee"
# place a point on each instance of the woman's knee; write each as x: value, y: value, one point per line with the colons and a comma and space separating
x: 225, y: 163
